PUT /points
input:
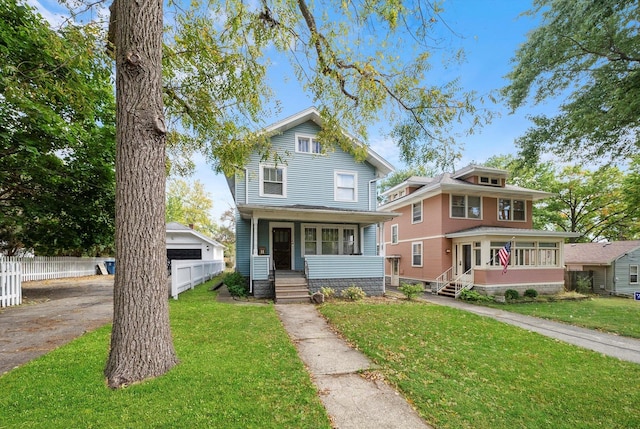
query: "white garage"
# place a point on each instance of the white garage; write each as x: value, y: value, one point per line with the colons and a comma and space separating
x: 184, y: 242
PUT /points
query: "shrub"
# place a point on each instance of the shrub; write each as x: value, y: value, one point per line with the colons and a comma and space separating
x: 511, y: 294
x: 583, y: 284
x: 328, y: 292
x: 472, y: 295
x: 531, y: 293
x: 353, y: 293
x: 411, y: 290
x: 236, y: 284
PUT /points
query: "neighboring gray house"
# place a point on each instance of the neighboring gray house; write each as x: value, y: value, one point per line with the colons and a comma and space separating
x: 183, y: 242
x: 310, y: 220
x: 613, y: 267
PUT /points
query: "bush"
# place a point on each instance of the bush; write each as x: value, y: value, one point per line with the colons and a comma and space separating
x: 328, y: 292
x: 411, y: 290
x: 472, y: 295
x: 531, y: 293
x: 353, y: 293
x: 583, y: 284
x: 236, y: 284
x: 511, y: 294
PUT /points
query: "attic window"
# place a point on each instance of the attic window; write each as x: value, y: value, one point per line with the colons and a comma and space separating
x: 307, y: 144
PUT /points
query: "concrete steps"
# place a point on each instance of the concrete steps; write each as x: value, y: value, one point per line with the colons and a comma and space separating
x: 291, y: 287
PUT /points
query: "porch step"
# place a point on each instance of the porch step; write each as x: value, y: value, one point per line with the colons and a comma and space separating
x: 291, y: 287
x: 449, y: 290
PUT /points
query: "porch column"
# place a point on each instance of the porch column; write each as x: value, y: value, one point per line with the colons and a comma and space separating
x: 254, y: 236
x: 382, y: 248
x: 361, y: 239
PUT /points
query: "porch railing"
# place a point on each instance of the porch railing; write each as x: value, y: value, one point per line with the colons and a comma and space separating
x: 442, y: 281
x: 462, y: 282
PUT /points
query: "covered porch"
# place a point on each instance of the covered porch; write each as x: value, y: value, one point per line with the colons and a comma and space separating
x: 329, y: 247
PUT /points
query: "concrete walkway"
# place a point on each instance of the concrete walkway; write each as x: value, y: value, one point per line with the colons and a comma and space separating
x: 623, y: 348
x: 351, y: 400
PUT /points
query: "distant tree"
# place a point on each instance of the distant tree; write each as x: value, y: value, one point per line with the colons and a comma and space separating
x: 400, y: 176
x: 587, y: 51
x: 190, y: 204
x: 225, y: 233
x: 57, y: 137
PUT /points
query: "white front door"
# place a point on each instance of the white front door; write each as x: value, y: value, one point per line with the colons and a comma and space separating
x: 395, y: 270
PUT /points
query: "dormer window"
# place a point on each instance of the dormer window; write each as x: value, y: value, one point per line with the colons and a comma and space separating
x: 307, y: 144
x: 493, y: 181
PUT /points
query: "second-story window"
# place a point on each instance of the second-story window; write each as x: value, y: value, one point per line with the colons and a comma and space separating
x: 394, y: 234
x: 509, y: 209
x: 307, y: 144
x: 273, y: 181
x: 466, y: 206
x: 346, y: 188
x: 416, y: 212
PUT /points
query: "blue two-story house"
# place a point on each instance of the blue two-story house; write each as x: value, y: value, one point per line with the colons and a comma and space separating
x: 309, y: 220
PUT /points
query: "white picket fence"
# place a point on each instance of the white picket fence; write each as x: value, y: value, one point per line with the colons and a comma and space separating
x: 15, y: 270
x: 10, y: 284
x: 187, y: 274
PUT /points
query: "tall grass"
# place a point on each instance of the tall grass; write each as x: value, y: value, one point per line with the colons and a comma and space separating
x: 238, y: 369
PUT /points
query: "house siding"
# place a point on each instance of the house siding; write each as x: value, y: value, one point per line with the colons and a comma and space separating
x: 243, y: 245
x: 309, y: 177
x: 622, y: 285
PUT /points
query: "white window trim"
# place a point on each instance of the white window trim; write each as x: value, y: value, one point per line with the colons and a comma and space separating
x: 511, y: 211
x: 355, y: 185
x: 421, y: 213
x: 413, y: 243
x: 284, y: 181
x: 466, y: 207
x: 319, y: 227
x: 311, y: 138
x: 637, y: 274
x: 394, y: 226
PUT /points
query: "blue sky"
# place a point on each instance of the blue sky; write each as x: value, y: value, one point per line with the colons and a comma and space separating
x: 489, y: 31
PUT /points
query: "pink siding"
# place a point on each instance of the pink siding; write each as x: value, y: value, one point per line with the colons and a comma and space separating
x: 515, y: 276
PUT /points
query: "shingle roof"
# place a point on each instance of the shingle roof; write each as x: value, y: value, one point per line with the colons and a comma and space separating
x: 597, y: 253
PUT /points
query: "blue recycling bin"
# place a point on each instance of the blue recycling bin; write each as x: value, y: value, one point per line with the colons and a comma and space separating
x: 111, y: 266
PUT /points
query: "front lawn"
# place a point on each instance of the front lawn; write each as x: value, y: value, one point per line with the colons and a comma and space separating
x: 238, y: 370
x: 617, y: 315
x: 461, y: 370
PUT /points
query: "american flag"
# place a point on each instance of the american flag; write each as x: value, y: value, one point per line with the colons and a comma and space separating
x: 504, y: 255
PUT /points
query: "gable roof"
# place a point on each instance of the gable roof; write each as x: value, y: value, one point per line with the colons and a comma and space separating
x: 312, y: 114
x: 598, y: 253
x: 447, y: 182
x: 176, y: 227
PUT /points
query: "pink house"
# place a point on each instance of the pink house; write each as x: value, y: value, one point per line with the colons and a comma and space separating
x: 453, y: 226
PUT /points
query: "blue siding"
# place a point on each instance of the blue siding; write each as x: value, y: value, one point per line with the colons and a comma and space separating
x: 370, y: 240
x: 310, y: 178
x: 622, y: 270
x: 243, y: 245
x: 338, y: 267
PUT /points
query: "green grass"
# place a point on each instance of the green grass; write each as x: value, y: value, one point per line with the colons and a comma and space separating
x: 617, y: 315
x: 461, y: 370
x: 238, y: 370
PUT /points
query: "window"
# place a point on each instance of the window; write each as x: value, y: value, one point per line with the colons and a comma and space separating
x: 310, y: 241
x: 329, y: 240
x: 477, y: 254
x: 273, y: 181
x: 416, y: 212
x: 489, y: 181
x: 394, y: 234
x: 633, y: 274
x: 416, y: 254
x: 527, y: 253
x: 464, y: 206
x: 307, y: 144
x: 511, y: 209
x: 345, y: 186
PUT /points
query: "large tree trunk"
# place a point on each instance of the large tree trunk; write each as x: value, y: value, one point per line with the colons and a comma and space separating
x: 141, y: 343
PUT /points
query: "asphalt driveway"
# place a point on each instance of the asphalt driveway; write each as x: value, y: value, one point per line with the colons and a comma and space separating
x: 53, y: 313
